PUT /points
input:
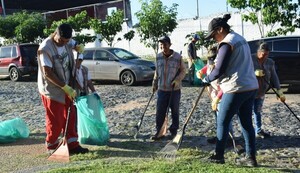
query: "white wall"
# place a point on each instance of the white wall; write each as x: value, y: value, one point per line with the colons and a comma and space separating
x: 185, y: 27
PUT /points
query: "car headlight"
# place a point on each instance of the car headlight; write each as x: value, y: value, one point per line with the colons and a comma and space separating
x: 145, y: 68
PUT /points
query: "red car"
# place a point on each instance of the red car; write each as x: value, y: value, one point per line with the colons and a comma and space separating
x: 18, y: 60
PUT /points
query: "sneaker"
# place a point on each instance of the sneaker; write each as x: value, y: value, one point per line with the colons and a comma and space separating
x: 262, y: 134
x: 247, y: 161
x: 212, y: 140
x: 216, y: 159
x: 79, y: 150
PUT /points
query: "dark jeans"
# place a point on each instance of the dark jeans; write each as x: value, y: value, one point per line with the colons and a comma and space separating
x: 161, y: 109
x: 191, y: 74
x: 240, y: 104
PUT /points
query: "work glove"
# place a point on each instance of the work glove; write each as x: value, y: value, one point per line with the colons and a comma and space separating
x: 281, y: 95
x: 214, y: 103
x: 96, y: 95
x: 259, y: 73
x: 199, y: 74
x: 175, y: 83
x: 69, y: 91
x: 79, y: 48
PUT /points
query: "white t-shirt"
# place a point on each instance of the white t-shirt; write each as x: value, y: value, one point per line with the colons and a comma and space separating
x: 79, y: 76
x: 45, y: 61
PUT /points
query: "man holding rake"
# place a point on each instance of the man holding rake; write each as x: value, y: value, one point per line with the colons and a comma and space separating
x: 167, y: 83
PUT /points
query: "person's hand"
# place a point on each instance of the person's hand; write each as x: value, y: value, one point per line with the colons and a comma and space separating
x: 259, y: 73
x: 154, y: 88
x: 199, y: 74
x: 175, y: 83
x: 205, y: 82
x: 214, y: 103
x: 96, y: 95
x: 69, y: 91
x: 281, y: 95
x: 79, y: 48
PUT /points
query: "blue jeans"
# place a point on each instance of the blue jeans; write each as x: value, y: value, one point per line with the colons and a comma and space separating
x: 240, y: 104
x: 163, y: 98
x: 257, y: 109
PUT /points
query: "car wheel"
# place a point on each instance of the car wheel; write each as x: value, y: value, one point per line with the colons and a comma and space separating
x: 127, y: 78
x: 14, y: 74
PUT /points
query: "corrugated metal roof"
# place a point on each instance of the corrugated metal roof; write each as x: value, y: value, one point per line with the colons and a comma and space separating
x: 49, y: 5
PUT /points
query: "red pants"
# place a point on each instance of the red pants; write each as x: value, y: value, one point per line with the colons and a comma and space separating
x: 56, y: 116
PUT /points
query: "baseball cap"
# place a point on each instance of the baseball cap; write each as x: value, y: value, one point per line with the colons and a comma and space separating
x: 196, y: 37
x: 216, y: 23
x: 165, y: 39
x: 263, y: 47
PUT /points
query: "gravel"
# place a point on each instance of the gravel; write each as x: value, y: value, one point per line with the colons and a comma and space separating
x: 125, y: 105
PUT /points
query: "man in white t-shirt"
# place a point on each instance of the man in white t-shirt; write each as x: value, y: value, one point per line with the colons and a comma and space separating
x: 56, y: 86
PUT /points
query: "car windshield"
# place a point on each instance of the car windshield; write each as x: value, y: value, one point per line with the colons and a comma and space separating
x: 123, y: 54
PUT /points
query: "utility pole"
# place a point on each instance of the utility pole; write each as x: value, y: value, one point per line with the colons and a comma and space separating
x: 3, y: 8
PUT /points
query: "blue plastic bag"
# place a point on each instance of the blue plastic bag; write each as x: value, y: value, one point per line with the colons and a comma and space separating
x: 199, y: 64
x: 92, y: 125
x: 11, y: 130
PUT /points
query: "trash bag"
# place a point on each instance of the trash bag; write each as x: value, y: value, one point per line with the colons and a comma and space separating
x: 11, y: 130
x: 199, y: 64
x: 92, y: 125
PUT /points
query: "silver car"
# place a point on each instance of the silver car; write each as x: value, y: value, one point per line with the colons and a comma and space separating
x: 109, y: 63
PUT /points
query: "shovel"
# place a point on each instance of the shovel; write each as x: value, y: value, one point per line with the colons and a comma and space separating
x: 61, y: 153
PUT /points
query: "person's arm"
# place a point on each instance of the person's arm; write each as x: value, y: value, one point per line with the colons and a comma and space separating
x: 274, y: 78
x: 223, y: 58
x: 190, y: 51
x: 51, y: 76
x: 182, y: 73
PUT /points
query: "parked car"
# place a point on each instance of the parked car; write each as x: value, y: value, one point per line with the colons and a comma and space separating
x: 285, y: 51
x: 18, y: 60
x: 108, y: 63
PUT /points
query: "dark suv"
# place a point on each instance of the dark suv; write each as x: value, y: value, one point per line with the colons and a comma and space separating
x: 18, y: 60
x: 285, y: 51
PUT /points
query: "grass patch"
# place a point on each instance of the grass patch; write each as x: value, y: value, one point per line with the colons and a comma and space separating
x: 114, y: 160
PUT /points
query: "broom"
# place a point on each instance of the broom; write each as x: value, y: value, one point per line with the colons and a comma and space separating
x: 169, y: 151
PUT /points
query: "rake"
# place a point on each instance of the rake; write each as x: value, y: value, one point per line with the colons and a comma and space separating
x: 139, y: 124
x: 169, y: 151
x: 287, y: 106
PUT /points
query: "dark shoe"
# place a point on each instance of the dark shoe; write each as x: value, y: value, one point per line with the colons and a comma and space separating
x: 212, y: 140
x: 247, y: 161
x: 262, y: 135
x: 156, y: 137
x: 79, y: 150
x: 216, y: 159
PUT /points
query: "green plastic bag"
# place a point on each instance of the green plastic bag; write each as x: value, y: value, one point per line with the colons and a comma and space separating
x: 199, y: 64
x: 92, y: 124
x: 11, y: 130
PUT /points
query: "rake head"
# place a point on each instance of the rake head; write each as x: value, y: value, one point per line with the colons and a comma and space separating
x: 169, y: 152
x: 135, y: 131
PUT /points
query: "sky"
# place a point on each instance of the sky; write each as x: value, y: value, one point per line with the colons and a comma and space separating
x: 188, y: 8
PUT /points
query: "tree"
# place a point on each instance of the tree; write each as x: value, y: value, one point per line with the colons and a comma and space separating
x: 109, y: 28
x: 22, y: 27
x: 270, y: 13
x: 78, y: 23
x: 155, y: 20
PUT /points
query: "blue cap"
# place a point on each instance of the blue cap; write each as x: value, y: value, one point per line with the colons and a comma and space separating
x: 196, y: 37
